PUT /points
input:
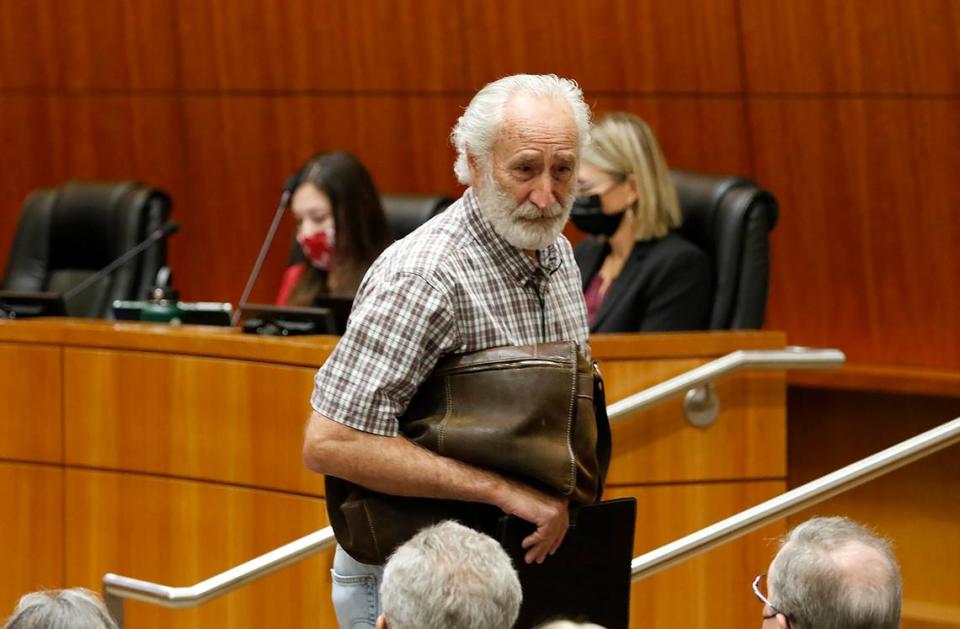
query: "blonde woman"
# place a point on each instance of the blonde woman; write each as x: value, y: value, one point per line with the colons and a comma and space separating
x: 639, y: 274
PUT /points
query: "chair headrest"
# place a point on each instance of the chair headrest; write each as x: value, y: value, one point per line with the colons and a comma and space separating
x: 93, y: 222
x: 730, y: 218
x: 701, y: 196
x: 406, y: 212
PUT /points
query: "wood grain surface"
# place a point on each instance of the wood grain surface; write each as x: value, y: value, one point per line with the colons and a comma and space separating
x: 178, y: 532
x: 866, y: 47
x: 714, y: 588
x: 871, y: 210
x: 230, y: 421
x: 610, y: 45
x: 32, y: 530
x: 656, y: 445
x: 31, y: 412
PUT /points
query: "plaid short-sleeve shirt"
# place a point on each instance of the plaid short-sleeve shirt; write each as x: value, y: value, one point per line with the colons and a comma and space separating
x: 451, y: 287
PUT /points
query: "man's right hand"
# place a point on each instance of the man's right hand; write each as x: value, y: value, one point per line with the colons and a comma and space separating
x: 548, y: 512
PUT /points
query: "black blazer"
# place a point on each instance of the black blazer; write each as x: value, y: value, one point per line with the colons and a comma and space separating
x: 665, y: 285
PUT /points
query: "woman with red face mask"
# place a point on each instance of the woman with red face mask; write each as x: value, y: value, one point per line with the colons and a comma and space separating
x: 341, y: 229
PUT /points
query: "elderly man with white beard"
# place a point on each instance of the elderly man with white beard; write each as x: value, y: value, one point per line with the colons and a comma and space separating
x: 492, y: 270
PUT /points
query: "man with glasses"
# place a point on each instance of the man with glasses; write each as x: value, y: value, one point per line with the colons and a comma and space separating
x: 831, y: 573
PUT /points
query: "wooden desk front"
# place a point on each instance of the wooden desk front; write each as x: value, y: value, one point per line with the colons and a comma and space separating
x: 170, y: 454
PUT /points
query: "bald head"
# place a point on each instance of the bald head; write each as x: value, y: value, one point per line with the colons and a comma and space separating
x: 832, y: 573
x: 862, y: 565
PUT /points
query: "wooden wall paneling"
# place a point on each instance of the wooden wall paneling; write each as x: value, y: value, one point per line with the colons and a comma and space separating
x: 932, y: 231
x: 830, y: 47
x: 31, y: 527
x: 87, y: 44
x: 712, y: 590
x: 30, y: 403
x: 698, y: 133
x: 48, y: 140
x: 242, y: 149
x: 659, y: 445
x: 613, y: 45
x: 406, y: 45
x: 657, y: 345
x: 225, y: 420
x: 181, y: 532
x: 864, y: 255
x: 915, y: 507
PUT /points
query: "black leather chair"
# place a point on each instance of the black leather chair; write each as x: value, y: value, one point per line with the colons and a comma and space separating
x: 730, y: 218
x: 405, y: 213
x: 66, y: 234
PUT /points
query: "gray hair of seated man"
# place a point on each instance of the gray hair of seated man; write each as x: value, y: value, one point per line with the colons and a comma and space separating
x: 450, y: 577
x: 832, y: 573
x: 76, y: 608
x: 477, y: 128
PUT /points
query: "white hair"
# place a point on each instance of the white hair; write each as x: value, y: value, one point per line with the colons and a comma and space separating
x: 832, y: 573
x: 477, y: 128
x: 450, y: 577
x: 76, y: 608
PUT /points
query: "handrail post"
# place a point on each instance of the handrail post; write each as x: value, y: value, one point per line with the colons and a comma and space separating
x: 114, y: 605
x: 701, y: 403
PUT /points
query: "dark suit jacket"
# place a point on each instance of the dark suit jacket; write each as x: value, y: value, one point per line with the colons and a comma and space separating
x: 665, y: 285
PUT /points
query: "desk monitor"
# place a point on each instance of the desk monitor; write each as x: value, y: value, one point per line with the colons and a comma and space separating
x: 23, y: 305
x: 191, y: 312
x: 340, y: 307
x: 286, y: 320
x: 205, y: 312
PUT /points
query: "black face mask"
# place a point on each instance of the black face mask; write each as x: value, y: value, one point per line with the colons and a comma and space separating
x: 587, y: 215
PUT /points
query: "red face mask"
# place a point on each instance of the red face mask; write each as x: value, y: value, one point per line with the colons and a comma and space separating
x: 318, y: 247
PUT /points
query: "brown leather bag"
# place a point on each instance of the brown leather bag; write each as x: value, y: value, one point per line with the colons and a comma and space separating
x: 534, y: 412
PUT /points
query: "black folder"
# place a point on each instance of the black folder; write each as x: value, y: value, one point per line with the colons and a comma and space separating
x: 588, y: 578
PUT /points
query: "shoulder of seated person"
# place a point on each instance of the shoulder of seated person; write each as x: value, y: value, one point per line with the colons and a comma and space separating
x: 679, y: 245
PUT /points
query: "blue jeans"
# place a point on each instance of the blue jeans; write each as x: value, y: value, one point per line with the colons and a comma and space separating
x: 356, y: 591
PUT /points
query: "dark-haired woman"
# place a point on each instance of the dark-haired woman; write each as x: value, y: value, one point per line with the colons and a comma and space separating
x: 341, y: 229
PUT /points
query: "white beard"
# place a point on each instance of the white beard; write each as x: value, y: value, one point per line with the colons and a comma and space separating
x: 507, y: 218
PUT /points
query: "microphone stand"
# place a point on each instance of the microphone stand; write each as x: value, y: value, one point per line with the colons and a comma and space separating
x: 281, y: 208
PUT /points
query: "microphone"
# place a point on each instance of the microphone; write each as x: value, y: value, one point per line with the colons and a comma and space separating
x: 164, y: 231
x: 291, y: 184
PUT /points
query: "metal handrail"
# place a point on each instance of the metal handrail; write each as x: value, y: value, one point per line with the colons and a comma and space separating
x: 697, y: 382
x: 116, y: 588
x: 797, y: 499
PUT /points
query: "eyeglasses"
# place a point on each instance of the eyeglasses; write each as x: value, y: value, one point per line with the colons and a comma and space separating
x: 763, y: 599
